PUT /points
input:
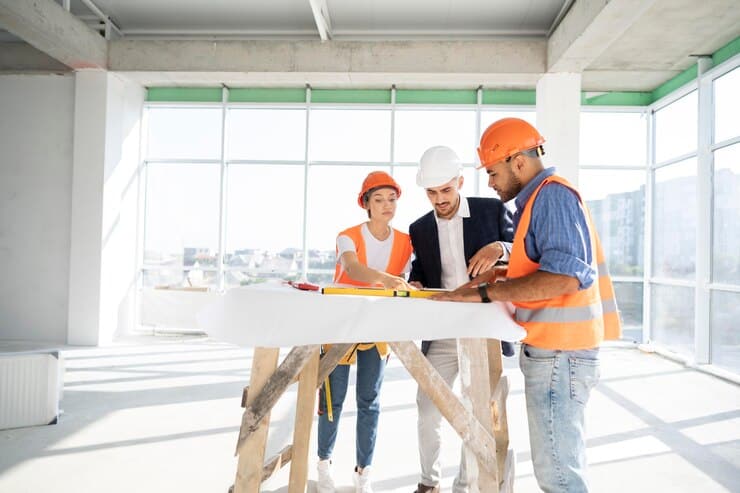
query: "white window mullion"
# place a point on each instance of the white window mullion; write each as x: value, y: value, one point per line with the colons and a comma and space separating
x: 704, y: 188
x: 304, y: 270
x: 393, y: 128
x: 222, y: 195
x: 141, y: 213
x: 648, y: 231
x: 478, y: 133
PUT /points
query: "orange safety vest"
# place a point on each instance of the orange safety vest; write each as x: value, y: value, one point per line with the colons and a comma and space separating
x: 400, y: 254
x: 581, y: 320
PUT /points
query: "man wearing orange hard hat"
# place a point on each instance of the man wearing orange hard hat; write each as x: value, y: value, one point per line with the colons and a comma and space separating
x: 558, y: 281
x: 371, y: 253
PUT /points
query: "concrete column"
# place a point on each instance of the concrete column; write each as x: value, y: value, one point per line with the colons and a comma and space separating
x: 558, y: 120
x: 103, y: 221
x: 88, y: 156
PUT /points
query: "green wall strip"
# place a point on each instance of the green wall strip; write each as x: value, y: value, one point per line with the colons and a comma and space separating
x: 408, y: 96
x: 184, y: 94
x: 723, y: 54
x: 493, y: 96
x: 267, y: 95
x: 727, y: 51
x: 373, y: 96
x: 617, y: 99
x: 671, y: 85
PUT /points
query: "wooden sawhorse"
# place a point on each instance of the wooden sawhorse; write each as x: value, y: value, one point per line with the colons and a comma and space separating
x: 482, y: 423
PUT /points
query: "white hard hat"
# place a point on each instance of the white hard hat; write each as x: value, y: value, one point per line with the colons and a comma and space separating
x: 437, y: 166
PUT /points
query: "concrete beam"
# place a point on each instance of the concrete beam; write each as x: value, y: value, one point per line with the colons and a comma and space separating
x: 512, y: 56
x: 588, y: 30
x: 22, y: 57
x: 47, y: 26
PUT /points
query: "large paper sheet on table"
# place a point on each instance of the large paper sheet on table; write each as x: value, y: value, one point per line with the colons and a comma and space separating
x: 281, y: 316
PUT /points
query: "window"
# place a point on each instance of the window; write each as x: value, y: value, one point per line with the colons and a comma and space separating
x: 672, y: 318
x: 726, y: 106
x: 613, y: 139
x: 726, y: 254
x: 264, y: 223
x: 413, y: 202
x: 725, y: 312
x: 350, y: 135
x: 616, y: 201
x: 676, y: 128
x: 612, y: 182
x: 332, y: 195
x: 184, y: 133
x: 266, y: 134
x: 182, y: 223
x: 418, y: 130
x: 674, y: 221
x: 725, y: 295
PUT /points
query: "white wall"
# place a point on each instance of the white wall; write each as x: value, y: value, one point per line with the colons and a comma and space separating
x: 36, y: 122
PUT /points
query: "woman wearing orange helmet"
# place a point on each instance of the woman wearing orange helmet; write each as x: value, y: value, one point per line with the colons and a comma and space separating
x: 369, y: 254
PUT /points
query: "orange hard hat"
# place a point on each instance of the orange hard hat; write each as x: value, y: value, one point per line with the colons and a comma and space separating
x: 374, y: 180
x: 506, y: 137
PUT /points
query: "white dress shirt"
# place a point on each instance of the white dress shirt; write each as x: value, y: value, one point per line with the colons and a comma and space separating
x: 452, y: 247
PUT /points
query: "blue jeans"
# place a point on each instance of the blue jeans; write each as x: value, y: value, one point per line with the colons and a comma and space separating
x: 557, y: 385
x: 370, y: 368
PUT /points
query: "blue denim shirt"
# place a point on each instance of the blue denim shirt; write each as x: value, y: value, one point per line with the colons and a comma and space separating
x: 558, y: 237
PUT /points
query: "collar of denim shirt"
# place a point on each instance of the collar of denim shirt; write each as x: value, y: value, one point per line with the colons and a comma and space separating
x: 526, y: 192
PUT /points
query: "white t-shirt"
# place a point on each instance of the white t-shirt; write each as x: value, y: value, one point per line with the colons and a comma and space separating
x: 378, y: 253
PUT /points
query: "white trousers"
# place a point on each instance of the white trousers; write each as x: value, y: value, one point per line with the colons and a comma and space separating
x: 443, y: 357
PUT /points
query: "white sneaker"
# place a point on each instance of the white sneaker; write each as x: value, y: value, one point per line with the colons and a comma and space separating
x: 362, y: 481
x: 325, y: 483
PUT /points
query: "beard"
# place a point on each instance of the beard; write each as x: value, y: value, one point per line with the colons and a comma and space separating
x: 511, y: 189
x: 446, y: 210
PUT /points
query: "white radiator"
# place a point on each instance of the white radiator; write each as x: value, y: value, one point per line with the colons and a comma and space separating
x: 30, y: 388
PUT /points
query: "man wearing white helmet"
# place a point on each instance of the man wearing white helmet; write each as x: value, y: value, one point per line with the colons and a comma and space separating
x: 461, y: 238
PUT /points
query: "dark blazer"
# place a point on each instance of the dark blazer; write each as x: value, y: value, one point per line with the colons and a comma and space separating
x: 489, y: 221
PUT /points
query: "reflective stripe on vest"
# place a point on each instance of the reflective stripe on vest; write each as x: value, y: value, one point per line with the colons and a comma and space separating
x: 563, y: 314
x: 580, y: 320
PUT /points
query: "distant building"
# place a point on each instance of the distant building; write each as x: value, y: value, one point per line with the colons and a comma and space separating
x: 620, y: 221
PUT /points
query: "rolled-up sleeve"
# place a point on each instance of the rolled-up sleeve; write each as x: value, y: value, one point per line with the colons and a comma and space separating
x: 559, y: 235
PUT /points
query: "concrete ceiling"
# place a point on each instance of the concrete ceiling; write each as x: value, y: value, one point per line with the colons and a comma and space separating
x: 632, y: 45
x: 350, y: 19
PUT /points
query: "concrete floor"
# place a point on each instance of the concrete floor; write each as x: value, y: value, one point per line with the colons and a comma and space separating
x: 161, y: 414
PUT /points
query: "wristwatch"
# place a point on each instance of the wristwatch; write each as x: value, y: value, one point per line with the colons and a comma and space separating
x: 483, y: 292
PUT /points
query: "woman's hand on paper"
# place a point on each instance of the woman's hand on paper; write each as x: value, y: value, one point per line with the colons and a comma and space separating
x: 397, y: 283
